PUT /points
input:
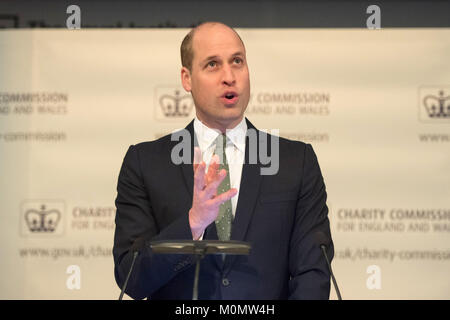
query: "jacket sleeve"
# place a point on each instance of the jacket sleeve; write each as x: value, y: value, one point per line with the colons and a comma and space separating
x: 310, y: 277
x: 135, y: 219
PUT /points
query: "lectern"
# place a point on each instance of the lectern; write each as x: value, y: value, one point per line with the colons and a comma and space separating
x: 199, y: 249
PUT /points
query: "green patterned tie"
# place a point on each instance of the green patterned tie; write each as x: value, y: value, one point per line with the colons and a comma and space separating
x: 225, y: 217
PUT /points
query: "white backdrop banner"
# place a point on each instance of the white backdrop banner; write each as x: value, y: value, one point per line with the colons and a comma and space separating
x: 375, y: 105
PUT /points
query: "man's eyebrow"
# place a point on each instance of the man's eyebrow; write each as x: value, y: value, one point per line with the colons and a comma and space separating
x: 214, y: 57
x: 210, y: 58
x: 239, y: 53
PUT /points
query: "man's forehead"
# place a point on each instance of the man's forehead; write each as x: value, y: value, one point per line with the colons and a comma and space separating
x: 216, y: 39
x: 214, y: 27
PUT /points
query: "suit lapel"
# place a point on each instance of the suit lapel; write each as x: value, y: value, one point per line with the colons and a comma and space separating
x: 248, y: 194
x: 187, y: 168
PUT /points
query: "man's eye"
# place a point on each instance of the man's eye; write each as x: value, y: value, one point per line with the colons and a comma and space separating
x: 212, y: 64
x: 238, y: 60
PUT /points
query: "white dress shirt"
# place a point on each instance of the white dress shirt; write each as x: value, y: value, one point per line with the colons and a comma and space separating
x: 234, y: 150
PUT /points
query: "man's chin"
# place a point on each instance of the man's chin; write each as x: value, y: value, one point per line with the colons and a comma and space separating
x: 226, y: 118
x: 231, y: 121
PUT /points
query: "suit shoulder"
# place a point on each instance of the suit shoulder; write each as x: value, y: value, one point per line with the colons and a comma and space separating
x: 287, y: 147
x: 285, y: 141
x: 159, y: 149
x: 289, y: 144
x: 293, y: 143
x: 156, y: 144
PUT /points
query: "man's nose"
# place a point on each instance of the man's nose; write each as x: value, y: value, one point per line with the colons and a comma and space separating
x: 228, y: 76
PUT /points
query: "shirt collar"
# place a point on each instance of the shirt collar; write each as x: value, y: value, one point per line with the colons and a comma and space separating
x: 206, y: 136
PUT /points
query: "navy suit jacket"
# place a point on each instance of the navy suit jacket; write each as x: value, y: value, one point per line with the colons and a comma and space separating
x: 278, y: 215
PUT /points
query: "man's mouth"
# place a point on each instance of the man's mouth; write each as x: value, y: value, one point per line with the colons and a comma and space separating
x: 230, y: 98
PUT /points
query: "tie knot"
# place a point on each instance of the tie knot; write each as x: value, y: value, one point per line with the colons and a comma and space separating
x: 221, y: 140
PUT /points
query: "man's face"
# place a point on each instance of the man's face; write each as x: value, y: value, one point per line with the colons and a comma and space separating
x: 219, y: 79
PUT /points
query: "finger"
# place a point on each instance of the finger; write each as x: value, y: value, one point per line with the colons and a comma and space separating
x: 197, y: 158
x: 212, y: 169
x: 221, y: 198
x: 211, y: 187
x: 199, y: 176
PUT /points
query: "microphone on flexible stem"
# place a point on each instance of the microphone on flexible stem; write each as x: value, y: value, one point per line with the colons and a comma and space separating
x: 323, y: 241
x: 138, y: 244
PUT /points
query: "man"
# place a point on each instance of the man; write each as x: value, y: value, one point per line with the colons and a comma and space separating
x: 279, y: 214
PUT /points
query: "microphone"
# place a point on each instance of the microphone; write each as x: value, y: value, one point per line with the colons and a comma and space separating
x: 138, y: 244
x: 323, y: 242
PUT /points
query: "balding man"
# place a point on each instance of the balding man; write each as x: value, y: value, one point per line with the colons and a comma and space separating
x: 222, y: 194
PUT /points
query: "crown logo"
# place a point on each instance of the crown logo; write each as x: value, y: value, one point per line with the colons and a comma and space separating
x: 43, y: 220
x: 437, y: 107
x: 176, y: 106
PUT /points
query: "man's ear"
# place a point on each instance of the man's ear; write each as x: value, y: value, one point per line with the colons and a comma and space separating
x: 186, y: 79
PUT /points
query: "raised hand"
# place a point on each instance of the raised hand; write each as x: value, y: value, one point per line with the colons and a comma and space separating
x: 205, y: 200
